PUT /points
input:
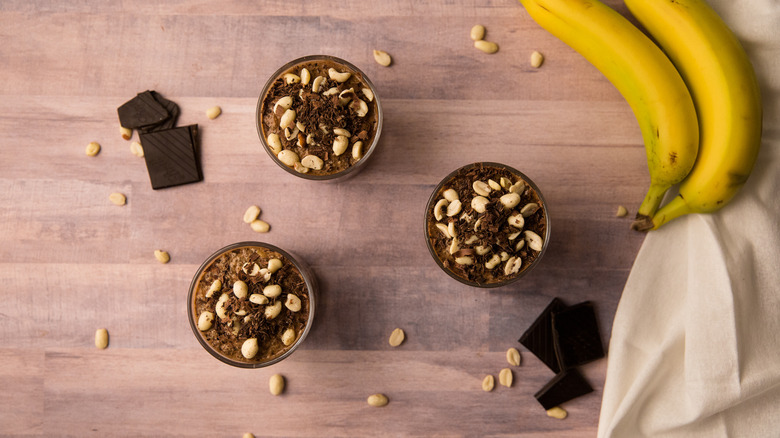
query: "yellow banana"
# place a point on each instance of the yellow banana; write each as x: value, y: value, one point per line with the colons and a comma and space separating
x: 642, y: 73
x: 726, y: 95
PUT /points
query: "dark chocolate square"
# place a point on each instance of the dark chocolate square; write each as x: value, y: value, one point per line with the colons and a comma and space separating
x: 539, y: 338
x: 173, y: 114
x: 565, y: 386
x: 577, y: 336
x: 142, y: 110
x: 171, y: 156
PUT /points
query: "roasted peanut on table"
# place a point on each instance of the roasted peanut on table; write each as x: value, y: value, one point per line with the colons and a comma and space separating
x: 93, y: 148
x: 101, y: 338
x: 162, y: 256
x: 488, y: 383
x: 505, y: 377
x: 377, y: 400
x: 276, y: 384
x: 382, y: 58
x: 557, y: 412
x: 117, y: 199
x: 397, y: 337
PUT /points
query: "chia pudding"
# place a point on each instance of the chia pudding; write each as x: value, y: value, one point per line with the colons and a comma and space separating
x: 251, y: 304
x: 486, y: 224
x: 319, y: 117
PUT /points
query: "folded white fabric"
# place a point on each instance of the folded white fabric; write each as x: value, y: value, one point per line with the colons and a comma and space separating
x: 695, y: 345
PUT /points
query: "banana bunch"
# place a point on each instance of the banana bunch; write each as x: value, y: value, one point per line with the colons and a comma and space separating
x: 642, y: 73
x: 727, y: 97
x: 706, y: 139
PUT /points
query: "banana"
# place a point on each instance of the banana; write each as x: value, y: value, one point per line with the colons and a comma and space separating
x: 642, y: 73
x: 726, y: 95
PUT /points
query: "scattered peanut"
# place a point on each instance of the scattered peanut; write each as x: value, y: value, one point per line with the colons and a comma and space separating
x: 101, y: 338
x: 488, y: 383
x: 505, y: 377
x: 377, y: 400
x: 251, y: 214
x: 382, y: 58
x: 162, y: 256
x: 536, y: 59
x: 117, y: 199
x: 93, y: 148
x: 397, y: 337
x: 557, y: 412
x: 621, y: 211
x: 276, y: 384
x: 248, y: 435
x: 126, y: 133
x: 260, y: 226
x: 486, y: 46
x: 213, y: 112
x: 513, y: 357
x: 136, y: 149
x: 477, y: 32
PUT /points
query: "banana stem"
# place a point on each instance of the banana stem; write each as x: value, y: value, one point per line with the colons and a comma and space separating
x: 652, y: 200
x: 675, y: 208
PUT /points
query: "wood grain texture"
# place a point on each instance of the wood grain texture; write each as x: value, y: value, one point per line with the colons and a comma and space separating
x: 71, y: 262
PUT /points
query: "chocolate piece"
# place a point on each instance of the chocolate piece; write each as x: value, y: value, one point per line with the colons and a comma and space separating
x: 577, y: 336
x: 171, y: 156
x: 539, y: 338
x: 563, y: 387
x: 142, y: 110
x: 173, y: 114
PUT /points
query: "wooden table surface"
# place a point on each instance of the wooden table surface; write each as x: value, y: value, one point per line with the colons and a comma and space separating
x: 71, y: 262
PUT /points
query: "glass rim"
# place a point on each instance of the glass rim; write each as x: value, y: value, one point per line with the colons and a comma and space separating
x: 366, y: 154
x: 307, y: 276
x: 433, y: 199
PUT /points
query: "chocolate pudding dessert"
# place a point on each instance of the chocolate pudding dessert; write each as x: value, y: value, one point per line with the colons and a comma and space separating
x: 319, y: 117
x: 250, y: 305
x: 486, y: 224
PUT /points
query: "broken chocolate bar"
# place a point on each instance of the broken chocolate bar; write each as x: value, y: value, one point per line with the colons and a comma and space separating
x: 171, y: 156
x: 565, y: 386
x: 142, y: 110
x: 577, y: 337
x: 539, y: 337
x: 173, y: 114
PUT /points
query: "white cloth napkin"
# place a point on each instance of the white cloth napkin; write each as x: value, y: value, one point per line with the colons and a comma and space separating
x: 695, y: 346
